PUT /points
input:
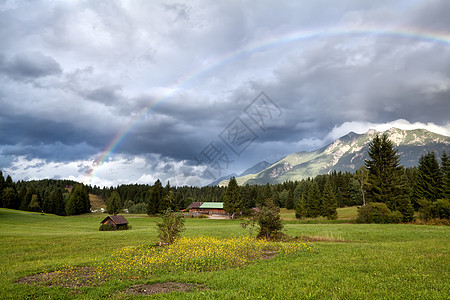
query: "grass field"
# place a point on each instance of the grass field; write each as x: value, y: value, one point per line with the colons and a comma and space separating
x: 375, y: 262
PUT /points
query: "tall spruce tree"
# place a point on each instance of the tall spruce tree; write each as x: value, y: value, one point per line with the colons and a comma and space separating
x: 313, y: 201
x: 428, y: 183
x: 2, y: 187
x: 290, y: 203
x: 329, y: 203
x: 9, y: 196
x: 114, y: 203
x: 232, y: 201
x: 155, y: 197
x: 386, y: 179
x: 57, y: 202
x: 166, y: 202
x: 445, y: 170
x: 78, y: 202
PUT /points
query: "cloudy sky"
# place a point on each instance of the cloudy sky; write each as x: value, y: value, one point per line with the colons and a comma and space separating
x: 113, y: 92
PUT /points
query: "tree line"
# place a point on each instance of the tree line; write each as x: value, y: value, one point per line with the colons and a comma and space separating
x: 60, y: 197
x: 424, y: 189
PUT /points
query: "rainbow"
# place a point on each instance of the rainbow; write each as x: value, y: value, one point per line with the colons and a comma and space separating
x: 436, y: 37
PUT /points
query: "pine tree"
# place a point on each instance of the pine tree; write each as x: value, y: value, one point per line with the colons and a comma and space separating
x: 290, y: 204
x: 445, y: 170
x: 2, y: 187
x: 171, y: 226
x: 269, y: 221
x: 47, y: 206
x: 114, y: 204
x: 248, y: 195
x: 167, y: 202
x: 78, y: 202
x: 9, y: 182
x: 283, y: 198
x: 27, y: 199
x: 156, y: 194
x: 313, y: 201
x: 428, y: 183
x: 385, y: 178
x: 329, y: 203
x: 34, y: 204
x: 57, y: 202
x: 301, y: 195
x: 9, y: 197
x: 232, y: 201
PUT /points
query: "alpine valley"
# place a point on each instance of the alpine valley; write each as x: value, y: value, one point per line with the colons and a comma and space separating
x: 345, y: 154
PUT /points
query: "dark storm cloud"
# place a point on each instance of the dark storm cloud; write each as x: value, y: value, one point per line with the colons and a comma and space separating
x: 170, y: 77
x: 29, y: 65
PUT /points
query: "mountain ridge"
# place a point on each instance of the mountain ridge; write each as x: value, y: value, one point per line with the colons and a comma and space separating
x: 347, y: 153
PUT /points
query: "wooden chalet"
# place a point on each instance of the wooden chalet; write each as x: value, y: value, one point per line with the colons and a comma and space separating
x: 194, y: 206
x: 212, y: 208
x: 206, y: 208
x: 116, y: 221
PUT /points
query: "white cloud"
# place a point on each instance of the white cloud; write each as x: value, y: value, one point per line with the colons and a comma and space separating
x: 362, y: 127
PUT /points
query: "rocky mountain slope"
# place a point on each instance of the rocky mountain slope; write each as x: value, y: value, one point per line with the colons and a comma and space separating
x: 347, y: 154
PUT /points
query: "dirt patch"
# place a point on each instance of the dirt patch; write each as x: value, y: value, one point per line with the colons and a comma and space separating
x: 69, y: 278
x: 163, y: 287
x: 269, y: 255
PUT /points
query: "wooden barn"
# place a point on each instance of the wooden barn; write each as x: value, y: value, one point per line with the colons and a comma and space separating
x: 194, y: 206
x: 116, y: 221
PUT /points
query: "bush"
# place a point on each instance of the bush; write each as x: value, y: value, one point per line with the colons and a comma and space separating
x: 171, y: 227
x: 140, y: 208
x: 374, y: 213
x: 439, y: 209
x: 105, y: 227
x: 396, y: 217
x: 269, y: 222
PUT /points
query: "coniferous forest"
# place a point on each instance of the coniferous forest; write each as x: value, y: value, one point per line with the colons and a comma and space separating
x: 387, y: 191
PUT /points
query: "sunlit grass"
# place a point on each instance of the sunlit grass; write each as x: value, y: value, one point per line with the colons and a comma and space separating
x: 377, y: 261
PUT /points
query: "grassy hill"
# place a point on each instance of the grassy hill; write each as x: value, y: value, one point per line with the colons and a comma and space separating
x: 375, y: 262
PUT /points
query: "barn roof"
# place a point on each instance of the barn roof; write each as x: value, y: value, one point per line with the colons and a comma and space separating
x: 218, y: 205
x: 195, y: 205
x: 118, y: 220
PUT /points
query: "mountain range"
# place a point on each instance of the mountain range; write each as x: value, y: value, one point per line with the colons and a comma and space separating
x: 345, y: 154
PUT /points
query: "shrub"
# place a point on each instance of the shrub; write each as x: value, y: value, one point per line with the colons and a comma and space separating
x: 171, y: 227
x: 269, y: 221
x: 374, y: 213
x: 439, y: 209
x: 105, y: 227
x: 396, y: 217
x: 140, y: 208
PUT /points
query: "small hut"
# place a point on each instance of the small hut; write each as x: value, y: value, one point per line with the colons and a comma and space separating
x: 118, y: 222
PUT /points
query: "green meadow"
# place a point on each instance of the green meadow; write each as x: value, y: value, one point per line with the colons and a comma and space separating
x: 347, y: 261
